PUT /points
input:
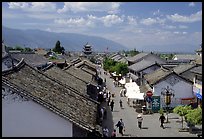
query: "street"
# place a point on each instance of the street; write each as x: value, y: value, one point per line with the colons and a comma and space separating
x: 150, y: 125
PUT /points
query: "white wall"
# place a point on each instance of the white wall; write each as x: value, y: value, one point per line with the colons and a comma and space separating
x: 182, y: 89
x: 27, y: 118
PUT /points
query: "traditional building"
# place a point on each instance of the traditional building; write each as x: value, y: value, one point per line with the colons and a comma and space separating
x: 35, y: 104
x: 139, y: 69
x: 162, y: 79
x: 197, y: 84
x: 147, y: 56
x: 87, y: 52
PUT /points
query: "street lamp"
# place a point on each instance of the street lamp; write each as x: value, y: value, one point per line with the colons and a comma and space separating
x: 167, y: 93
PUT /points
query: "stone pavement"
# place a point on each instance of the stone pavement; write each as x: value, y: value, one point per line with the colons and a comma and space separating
x: 151, y: 124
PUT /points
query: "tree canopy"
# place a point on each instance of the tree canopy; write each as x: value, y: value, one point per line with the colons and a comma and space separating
x: 58, y: 48
x: 194, y: 116
x: 113, y: 66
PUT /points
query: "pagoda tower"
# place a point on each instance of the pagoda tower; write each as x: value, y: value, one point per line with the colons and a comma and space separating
x: 87, y: 50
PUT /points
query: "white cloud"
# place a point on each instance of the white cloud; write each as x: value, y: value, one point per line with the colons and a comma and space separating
x: 176, y: 32
x: 110, y: 7
x: 169, y: 27
x: 111, y: 19
x: 71, y: 22
x: 131, y: 20
x: 191, y: 4
x: 186, y: 19
x: 91, y: 21
x: 184, y: 33
x: 18, y: 5
x: 33, y: 6
x: 148, y: 21
x: 183, y: 27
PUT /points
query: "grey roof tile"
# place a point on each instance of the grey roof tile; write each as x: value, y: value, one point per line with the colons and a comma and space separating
x: 53, y: 95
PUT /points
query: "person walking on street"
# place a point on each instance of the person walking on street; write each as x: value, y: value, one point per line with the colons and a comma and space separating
x: 113, y: 133
x: 162, y: 118
x: 121, y: 126
x: 112, y: 105
x: 121, y: 104
x: 139, y: 119
x: 105, y: 132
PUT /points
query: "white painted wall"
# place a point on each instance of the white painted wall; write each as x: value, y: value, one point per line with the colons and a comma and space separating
x: 182, y: 89
x: 29, y: 119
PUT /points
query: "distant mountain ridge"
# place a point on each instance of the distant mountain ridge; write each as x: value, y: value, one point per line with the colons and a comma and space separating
x: 70, y: 41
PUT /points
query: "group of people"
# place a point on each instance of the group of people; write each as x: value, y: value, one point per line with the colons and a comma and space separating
x: 140, y: 119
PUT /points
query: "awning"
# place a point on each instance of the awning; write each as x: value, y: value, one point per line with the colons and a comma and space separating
x: 133, y: 91
x: 122, y: 81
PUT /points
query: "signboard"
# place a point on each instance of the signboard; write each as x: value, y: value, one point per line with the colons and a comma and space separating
x: 149, y: 93
x: 155, y: 103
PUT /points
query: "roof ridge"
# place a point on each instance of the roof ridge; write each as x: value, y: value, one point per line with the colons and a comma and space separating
x: 68, y: 87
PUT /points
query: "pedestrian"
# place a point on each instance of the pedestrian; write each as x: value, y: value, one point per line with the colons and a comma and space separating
x: 121, y: 126
x: 124, y: 90
x: 104, y: 113
x: 121, y: 104
x: 109, y: 98
x: 139, y: 119
x: 105, y: 132
x: 104, y: 96
x: 113, y: 133
x: 162, y: 118
x: 121, y: 93
x: 112, y: 105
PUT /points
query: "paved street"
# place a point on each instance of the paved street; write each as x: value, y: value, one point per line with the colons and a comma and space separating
x: 151, y: 124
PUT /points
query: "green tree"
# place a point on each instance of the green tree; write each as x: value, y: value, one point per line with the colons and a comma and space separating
x: 27, y: 49
x: 58, y: 48
x: 182, y: 111
x: 113, y: 66
x: 18, y: 48
x: 121, y: 68
x: 194, y: 116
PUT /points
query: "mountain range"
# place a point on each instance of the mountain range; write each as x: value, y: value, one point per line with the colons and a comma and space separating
x: 43, y: 39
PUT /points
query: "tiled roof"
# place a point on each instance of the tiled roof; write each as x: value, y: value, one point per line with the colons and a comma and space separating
x: 87, y: 63
x: 30, y: 58
x: 183, y: 67
x: 144, y: 88
x: 186, y: 56
x: 79, y: 73
x: 197, y: 70
x: 53, y: 95
x: 133, y: 76
x: 67, y: 79
x: 137, y: 57
x: 188, y: 75
x: 156, y: 76
x: 143, y: 64
x: 124, y: 60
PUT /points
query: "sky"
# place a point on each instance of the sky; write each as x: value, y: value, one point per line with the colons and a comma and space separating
x: 132, y: 24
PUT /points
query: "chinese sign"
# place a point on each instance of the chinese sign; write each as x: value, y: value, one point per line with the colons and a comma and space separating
x: 155, y: 103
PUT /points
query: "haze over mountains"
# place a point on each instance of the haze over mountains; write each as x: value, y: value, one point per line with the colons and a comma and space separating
x: 43, y: 39
x: 75, y: 42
